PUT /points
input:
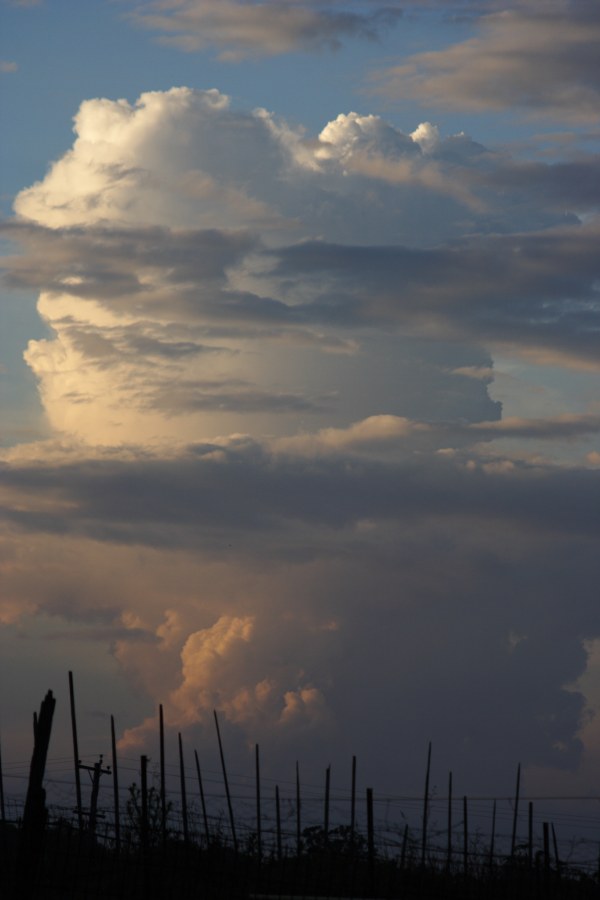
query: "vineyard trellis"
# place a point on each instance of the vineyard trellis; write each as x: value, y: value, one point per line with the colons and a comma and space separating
x: 227, y: 835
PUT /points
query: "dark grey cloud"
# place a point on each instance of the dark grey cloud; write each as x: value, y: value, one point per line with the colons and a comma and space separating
x: 570, y: 185
x: 450, y: 583
x: 243, y: 487
x: 536, y: 292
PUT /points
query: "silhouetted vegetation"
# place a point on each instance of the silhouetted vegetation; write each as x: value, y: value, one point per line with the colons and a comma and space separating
x: 153, y: 850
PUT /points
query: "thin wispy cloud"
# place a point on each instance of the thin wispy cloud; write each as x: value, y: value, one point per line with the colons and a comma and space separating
x: 269, y: 28
x: 538, y: 59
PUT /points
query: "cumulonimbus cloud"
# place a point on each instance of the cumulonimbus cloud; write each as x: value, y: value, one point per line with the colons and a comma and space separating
x: 274, y: 449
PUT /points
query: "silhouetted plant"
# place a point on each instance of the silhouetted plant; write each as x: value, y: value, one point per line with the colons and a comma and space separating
x: 341, y: 841
x: 134, y: 820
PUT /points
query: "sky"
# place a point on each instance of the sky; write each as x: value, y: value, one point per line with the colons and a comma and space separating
x: 300, y: 382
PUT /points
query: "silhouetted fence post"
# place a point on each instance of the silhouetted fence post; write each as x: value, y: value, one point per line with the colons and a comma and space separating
x: 493, y: 837
x: 326, y: 811
x: 278, y: 823
x: 34, y: 814
x: 163, y: 789
x: 2, y: 809
x: 404, y: 846
x: 370, y: 836
x: 75, y: 752
x: 184, y: 809
x: 546, y: 832
x: 449, y: 848
x: 557, y: 858
x: 202, y: 800
x: 113, y: 743
x: 530, y: 834
x: 465, y: 838
x: 298, y: 812
x: 515, y: 814
x: 353, y: 800
x: 425, y: 807
x: 231, y: 819
x: 144, y: 830
x: 258, y: 809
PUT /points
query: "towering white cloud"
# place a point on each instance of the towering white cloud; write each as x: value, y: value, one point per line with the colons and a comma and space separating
x: 274, y: 479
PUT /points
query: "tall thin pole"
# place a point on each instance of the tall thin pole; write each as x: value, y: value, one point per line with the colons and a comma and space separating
x: 465, y: 837
x: 515, y: 813
x: 113, y: 743
x: 326, y: 817
x: 184, y: 810
x: 2, y: 809
x: 278, y: 822
x: 75, y: 753
x: 404, y: 844
x: 231, y: 820
x: 493, y: 838
x: 370, y: 834
x: 546, y: 830
x: 202, y: 800
x: 298, y: 812
x: 556, y: 856
x: 449, y: 850
x: 94, y: 797
x: 353, y: 800
x: 163, y: 789
x: 258, y: 810
x: 425, y: 807
x: 530, y: 833
x: 144, y: 821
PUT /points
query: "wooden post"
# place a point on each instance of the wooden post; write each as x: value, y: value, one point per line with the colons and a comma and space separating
x: 370, y: 835
x: 231, y: 820
x: 2, y: 809
x: 556, y: 856
x: 163, y: 788
x: 515, y: 814
x: 184, y: 809
x: 404, y: 845
x: 298, y: 812
x: 353, y: 800
x: 144, y: 817
x: 449, y: 848
x: 530, y: 834
x: 36, y: 796
x: 34, y: 814
x: 465, y: 838
x: 75, y: 752
x: 202, y: 801
x: 94, y: 797
x: 258, y: 809
x: 546, y: 830
x: 113, y: 742
x: 425, y: 807
x: 326, y: 817
x: 493, y: 838
x: 278, y: 823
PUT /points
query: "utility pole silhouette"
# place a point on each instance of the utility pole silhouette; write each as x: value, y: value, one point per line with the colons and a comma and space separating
x: 96, y: 771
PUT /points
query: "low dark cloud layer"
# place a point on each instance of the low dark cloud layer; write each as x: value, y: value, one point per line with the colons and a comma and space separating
x: 295, y: 568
